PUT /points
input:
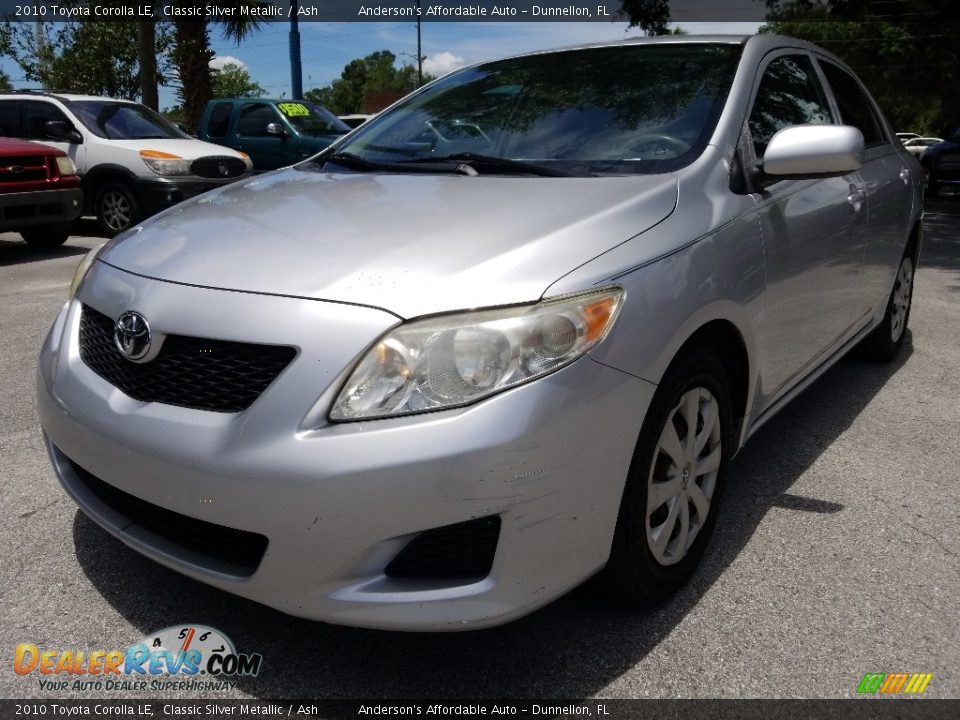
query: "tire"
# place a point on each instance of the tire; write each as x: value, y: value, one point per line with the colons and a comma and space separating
x: 46, y: 236
x: 931, y: 188
x: 887, y: 338
x: 652, y: 554
x: 116, y: 207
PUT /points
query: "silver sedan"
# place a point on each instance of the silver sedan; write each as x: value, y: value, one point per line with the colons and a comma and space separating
x: 432, y: 381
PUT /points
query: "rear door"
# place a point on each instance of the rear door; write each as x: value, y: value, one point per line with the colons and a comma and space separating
x: 887, y: 175
x: 814, y: 233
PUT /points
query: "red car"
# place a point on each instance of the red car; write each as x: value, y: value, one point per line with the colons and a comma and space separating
x: 39, y: 192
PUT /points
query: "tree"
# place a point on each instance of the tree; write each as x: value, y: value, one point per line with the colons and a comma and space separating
x: 232, y: 80
x: 96, y: 58
x: 5, y: 84
x: 652, y: 16
x: 146, y: 50
x: 364, y: 79
x: 905, y: 51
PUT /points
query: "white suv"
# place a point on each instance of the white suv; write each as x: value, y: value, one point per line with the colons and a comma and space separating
x: 133, y: 162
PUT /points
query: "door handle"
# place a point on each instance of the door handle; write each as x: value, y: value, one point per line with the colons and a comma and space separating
x: 905, y: 175
x: 856, y: 197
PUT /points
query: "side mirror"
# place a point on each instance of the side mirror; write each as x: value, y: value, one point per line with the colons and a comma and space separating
x: 61, y: 130
x: 814, y: 151
x: 276, y: 129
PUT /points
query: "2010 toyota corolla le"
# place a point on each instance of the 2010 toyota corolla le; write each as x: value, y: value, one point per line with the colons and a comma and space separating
x: 506, y: 335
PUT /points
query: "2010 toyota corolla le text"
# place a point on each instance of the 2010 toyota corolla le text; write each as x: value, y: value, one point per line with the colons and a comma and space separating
x: 504, y: 336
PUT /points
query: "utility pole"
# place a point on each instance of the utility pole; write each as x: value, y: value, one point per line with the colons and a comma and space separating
x: 296, y: 68
x: 419, y: 50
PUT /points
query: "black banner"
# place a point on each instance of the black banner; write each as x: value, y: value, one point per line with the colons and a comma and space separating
x: 595, y: 709
x: 370, y: 10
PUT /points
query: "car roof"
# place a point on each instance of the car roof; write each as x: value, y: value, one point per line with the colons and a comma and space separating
x: 758, y: 44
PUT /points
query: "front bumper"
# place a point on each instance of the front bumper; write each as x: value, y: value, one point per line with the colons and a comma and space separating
x: 39, y: 207
x: 159, y: 193
x: 337, y: 502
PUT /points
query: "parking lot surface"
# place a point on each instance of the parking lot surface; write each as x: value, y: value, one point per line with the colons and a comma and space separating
x: 837, y: 550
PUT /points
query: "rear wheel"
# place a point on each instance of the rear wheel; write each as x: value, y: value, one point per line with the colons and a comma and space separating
x: 47, y: 236
x: 887, y: 338
x: 670, y: 500
x: 116, y: 207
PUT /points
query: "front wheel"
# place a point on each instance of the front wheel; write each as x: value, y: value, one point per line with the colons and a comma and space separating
x: 47, y: 236
x: 117, y: 208
x: 670, y: 501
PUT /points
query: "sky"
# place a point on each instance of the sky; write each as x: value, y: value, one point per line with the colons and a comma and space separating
x: 327, y: 47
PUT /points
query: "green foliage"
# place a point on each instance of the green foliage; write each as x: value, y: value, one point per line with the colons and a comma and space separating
x: 651, y: 16
x: 5, y: 84
x: 232, y: 80
x: 363, y: 79
x: 95, y: 58
x: 907, y: 52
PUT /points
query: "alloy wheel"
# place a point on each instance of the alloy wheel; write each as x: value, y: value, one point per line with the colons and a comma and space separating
x: 115, y: 210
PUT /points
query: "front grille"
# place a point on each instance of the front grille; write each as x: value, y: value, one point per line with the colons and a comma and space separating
x: 455, y: 552
x: 239, y: 549
x: 197, y: 373
x: 19, y: 168
x: 218, y: 167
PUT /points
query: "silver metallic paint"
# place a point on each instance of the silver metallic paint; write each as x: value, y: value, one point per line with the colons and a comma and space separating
x: 328, y: 263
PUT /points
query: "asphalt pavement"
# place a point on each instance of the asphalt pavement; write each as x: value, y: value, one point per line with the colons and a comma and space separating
x: 837, y: 550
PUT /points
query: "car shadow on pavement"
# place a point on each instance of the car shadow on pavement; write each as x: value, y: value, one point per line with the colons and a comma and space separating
x: 574, y: 647
x: 14, y: 251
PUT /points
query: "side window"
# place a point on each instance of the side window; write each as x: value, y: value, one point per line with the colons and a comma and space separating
x: 790, y: 94
x: 36, y: 113
x: 855, y: 108
x: 9, y: 127
x: 219, y: 120
x: 254, y: 118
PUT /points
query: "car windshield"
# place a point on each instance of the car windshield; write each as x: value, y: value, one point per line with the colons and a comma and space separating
x: 123, y: 120
x: 311, y: 119
x: 622, y: 109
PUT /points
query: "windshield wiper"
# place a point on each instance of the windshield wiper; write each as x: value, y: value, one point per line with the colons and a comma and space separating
x: 355, y: 162
x: 480, y: 162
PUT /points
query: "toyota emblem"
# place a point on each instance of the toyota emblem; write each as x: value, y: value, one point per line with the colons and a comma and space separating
x: 132, y: 335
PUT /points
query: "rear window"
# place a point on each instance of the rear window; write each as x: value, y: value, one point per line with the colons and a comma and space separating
x: 855, y: 108
x: 219, y: 121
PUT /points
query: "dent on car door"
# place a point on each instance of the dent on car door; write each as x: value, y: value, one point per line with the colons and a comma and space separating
x: 887, y: 177
x: 814, y: 233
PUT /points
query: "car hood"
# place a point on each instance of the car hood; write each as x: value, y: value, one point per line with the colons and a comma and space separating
x: 410, y: 244
x: 188, y: 149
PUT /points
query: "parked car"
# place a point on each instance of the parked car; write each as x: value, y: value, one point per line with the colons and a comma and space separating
x: 941, y: 164
x: 904, y: 136
x: 275, y: 133
x: 434, y: 387
x: 39, y: 192
x: 133, y: 162
x: 918, y: 146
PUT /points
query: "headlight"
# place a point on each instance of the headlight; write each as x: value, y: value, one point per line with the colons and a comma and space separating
x: 82, y: 270
x: 458, y: 359
x: 164, y: 163
x: 66, y: 167
x: 246, y: 160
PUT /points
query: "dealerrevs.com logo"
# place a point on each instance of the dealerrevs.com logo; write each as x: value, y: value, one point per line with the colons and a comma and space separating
x: 182, y: 657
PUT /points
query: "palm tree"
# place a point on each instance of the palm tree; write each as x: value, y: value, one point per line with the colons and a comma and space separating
x: 192, y: 53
